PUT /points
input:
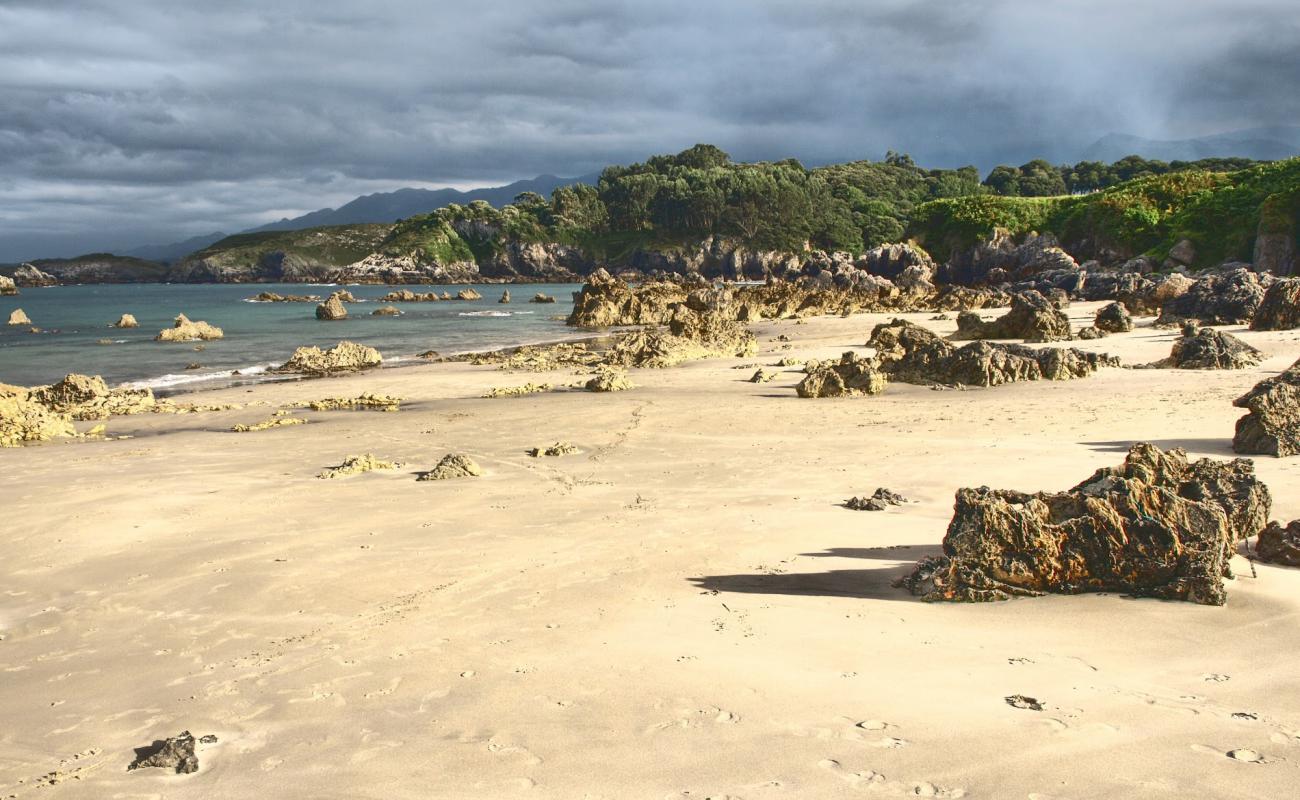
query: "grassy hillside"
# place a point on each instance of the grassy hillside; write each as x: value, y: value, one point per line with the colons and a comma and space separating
x: 335, y: 245
x: 1220, y: 212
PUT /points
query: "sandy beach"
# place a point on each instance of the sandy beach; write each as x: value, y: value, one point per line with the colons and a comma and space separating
x: 682, y: 609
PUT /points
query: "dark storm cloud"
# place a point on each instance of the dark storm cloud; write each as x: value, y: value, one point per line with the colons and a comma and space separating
x: 122, y: 123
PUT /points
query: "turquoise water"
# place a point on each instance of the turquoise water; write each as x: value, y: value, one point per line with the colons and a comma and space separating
x: 74, y: 318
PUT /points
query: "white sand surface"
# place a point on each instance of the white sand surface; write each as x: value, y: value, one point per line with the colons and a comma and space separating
x: 681, y: 610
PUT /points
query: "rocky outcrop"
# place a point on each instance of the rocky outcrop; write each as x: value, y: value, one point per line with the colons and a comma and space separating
x: 892, y: 260
x: 1001, y: 259
x: 605, y: 301
x: 1142, y: 294
x: 1227, y: 298
x: 853, y: 375
x: 125, y: 321
x: 1206, y: 348
x: 1113, y: 318
x: 878, y: 501
x: 964, y: 298
x: 1157, y: 526
x: 539, y: 358
x: 553, y: 451
x: 408, y: 296
x: 1182, y: 254
x: 537, y: 261
x: 1032, y: 318
x: 399, y: 269
x: 176, y: 753
x: 468, y: 293
x: 24, y: 420
x: 1279, y: 310
x: 29, y: 276
x: 609, y: 379
x: 542, y: 297
x: 1278, y: 545
x: 909, y: 353
x: 87, y: 397
x: 1272, y: 428
x: 274, y: 297
x: 386, y: 311
x: 19, y: 317
x: 184, y: 330
x: 342, y: 357
x: 7, y: 286
x: 355, y: 465
x: 364, y: 401
x: 452, y: 465
x: 505, y: 297
x: 517, y: 391
x: 332, y: 309
x: 1275, y: 252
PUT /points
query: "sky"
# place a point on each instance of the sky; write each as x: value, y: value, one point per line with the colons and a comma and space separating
x: 148, y: 121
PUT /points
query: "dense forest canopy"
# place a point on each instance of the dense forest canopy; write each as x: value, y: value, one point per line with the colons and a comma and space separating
x: 678, y: 200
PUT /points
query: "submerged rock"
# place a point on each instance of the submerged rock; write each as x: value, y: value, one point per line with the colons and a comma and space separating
x: 332, y: 309
x: 1279, y: 310
x: 1033, y: 318
x: 19, y: 317
x: 126, y: 321
x: 452, y: 465
x: 541, y: 297
x: 175, y: 753
x: 355, y: 465
x: 1156, y: 526
x: 185, y: 330
x: 1272, y: 428
x: 853, y: 375
x: 1278, y: 545
x: 386, y: 311
x: 342, y: 357
x: 1113, y: 318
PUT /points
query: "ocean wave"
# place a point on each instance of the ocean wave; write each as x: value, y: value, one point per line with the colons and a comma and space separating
x: 486, y: 314
x: 174, y: 379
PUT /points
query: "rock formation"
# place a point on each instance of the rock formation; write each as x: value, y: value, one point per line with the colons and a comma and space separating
x: 1272, y: 428
x: 332, y: 309
x: 1001, y: 259
x: 1278, y: 545
x: 126, y: 321
x: 541, y: 297
x: 505, y: 297
x: 1157, y: 526
x: 609, y: 379
x: 29, y: 275
x: 1226, y: 298
x: 408, y: 296
x: 1113, y: 318
x: 539, y: 358
x: 366, y: 400
x: 468, y: 293
x: 7, y: 286
x: 881, y: 499
x: 267, y: 424
x: 273, y: 297
x: 554, y: 450
x: 605, y: 301
x: 386, y: 311
x: 1032, y: 318
x: 1279, y: 310
x: 19, y: 317
x: 184, y: 330
x: 87, y: 397
x: 518, y: 391
x: 176, y: 753
x: 1206, y: 348
x: 355, y: 465
x: 24, y: 420
x: 452, y: 465
x: 763, y: 376
x: 853, y: 375
x: 342, y: 357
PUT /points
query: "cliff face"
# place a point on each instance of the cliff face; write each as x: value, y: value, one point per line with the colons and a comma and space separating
x: 283, y: 256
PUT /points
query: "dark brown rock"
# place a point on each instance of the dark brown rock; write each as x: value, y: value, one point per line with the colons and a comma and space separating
x: 1113, y: 318
x: 853, y: 375
x: 175, y: 753
x: 1278, y: 545
x: 1272, y: 428
x: 1033, y: 318
x: 1279, y: 310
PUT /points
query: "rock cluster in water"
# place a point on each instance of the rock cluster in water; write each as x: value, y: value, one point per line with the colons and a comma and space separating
x: 332, y: 309
x: 1156, y: 526
x: 185, y: 330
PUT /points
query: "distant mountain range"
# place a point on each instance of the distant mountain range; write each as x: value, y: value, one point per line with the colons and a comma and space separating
x: 378, y: 207
x: 1262, y: 144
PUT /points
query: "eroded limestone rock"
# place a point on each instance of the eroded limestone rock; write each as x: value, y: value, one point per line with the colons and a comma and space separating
x: 342, y: 357
x: 452, y: 465
x: 185, y: 330
x: 1272, y: 427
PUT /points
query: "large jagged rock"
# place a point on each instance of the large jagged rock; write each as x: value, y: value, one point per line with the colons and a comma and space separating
x: 468, y: 293
x: 126, y: 321
x: 1113, y: 318
x: 185, y: 330
x: 1157, y: 526
x: 7, y: 286
x: 1272, y: 428
x: 1000, y: 258
x: 965, y: 298
x: 176, y: 753
x: 24, y: 420
x: 332, y: 309
x: 29, y: 275
x: 1141, y: 293
x: 452, y: 465
x: 386, y: 311
x: 1226, y: 298
x: 605, y: 301
x: 912, y: 354
x: 19, y: 317
x: 542, y: 297
x: 1278, y: 545
x: 1033, y: 318
x: 505, y: 297
x: 87, y: 397
x: 1279, y: 310
x: 853, y: 375
x: 893, y: 260
x: 1206, y: 348
x: 342, y: 357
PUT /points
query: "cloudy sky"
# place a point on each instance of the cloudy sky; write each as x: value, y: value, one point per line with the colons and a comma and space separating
x: 147, y: 121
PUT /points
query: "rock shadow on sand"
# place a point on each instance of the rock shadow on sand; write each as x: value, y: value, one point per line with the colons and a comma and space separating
x: 863, y: 584
x: 1218, y: 446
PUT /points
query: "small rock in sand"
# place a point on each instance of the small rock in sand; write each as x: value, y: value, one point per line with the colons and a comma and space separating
x: 1023, y: 702
x: 557, y: 449
x: 175, y: 753
x: 518, y: 391
x: 763, y: 376
x: 355, y: 465
x: 274, y: 422
x: 1278, y: 545
x: 609, y: 380
x: 452, y: 465
x: 879, y: 501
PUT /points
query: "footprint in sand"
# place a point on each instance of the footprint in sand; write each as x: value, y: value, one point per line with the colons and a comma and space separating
x: 1214, y: 677
x: 1243, y: 755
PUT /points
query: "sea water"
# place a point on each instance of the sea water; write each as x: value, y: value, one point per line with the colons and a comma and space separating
x: 74, y: 320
